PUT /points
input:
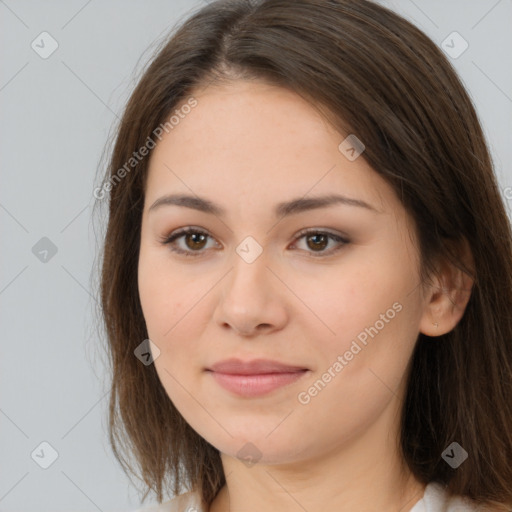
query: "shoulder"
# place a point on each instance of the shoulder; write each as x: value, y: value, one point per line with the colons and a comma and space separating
x: 188, y: 502
x: 437, y: 499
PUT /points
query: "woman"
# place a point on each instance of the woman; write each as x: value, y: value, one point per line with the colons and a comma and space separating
x: 307, y: 275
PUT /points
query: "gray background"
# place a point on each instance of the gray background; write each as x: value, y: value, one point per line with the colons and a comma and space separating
x: 57, y: 114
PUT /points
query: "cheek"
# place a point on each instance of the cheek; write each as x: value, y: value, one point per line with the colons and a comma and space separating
x: 354, y: 297
x: 171, y: 304
x: 161, y: 295
x: 371, y: 312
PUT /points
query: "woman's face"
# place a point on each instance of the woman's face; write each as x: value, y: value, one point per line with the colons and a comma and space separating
x: 250, y: 284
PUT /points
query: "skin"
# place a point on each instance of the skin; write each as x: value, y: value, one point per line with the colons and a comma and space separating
x: 248, y: 146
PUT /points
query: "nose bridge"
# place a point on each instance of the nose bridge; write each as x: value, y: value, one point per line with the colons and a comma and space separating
x: 249, y: 295
x: 250, y: 273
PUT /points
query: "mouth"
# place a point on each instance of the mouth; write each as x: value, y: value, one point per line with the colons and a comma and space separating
x: 254, y: 378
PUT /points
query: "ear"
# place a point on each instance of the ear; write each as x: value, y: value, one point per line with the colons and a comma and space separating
x: 448, y: 295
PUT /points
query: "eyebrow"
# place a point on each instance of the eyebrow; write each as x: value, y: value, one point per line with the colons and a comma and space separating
x: 284, y: 209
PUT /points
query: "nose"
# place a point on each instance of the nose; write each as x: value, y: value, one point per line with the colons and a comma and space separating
x: 252, y: 299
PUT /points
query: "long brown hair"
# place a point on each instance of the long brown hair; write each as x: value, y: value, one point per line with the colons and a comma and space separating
x: 373, y: 74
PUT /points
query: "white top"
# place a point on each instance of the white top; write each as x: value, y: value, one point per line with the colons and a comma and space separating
x: 435, y: 499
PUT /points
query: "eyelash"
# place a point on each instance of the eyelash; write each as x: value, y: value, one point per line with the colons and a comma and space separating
x: 168, y: 240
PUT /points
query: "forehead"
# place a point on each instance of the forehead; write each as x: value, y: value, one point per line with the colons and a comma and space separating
x: 251, y: 138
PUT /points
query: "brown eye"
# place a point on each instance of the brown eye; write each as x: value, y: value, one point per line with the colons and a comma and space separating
x: 318, y: 241
x: 194, y: 241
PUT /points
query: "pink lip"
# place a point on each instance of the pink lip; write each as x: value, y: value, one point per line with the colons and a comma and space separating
x: 254, y: 378
x: 255, y: 367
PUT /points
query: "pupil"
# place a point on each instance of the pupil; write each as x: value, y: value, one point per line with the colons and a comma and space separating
x: 316, y: 244
x: 194, y: 242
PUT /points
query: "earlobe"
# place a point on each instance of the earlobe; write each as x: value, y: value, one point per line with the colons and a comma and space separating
x: 449, y: 295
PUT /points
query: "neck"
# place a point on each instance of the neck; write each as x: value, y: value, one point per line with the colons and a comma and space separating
x: 366, y: 474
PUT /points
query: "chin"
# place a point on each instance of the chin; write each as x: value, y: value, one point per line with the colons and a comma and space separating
x: 256, y: 446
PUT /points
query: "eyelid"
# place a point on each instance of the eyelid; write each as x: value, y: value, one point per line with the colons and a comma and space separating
x: 339, y: 238
x: 169, y: 239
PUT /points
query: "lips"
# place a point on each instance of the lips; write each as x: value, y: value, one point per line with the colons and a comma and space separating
x: 254, y: 378
x: 254, y: 367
